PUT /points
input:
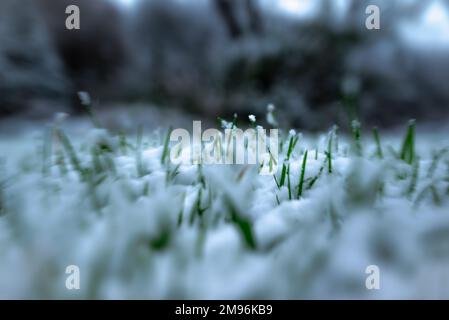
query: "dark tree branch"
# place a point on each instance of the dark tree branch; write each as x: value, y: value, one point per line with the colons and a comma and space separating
x: 255, y: 19
x: 226, y: 10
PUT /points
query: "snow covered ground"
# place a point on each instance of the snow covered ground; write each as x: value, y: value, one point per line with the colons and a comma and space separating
x: 139, y: 227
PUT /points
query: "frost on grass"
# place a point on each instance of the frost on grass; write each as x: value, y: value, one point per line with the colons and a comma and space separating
x: 140, y: 227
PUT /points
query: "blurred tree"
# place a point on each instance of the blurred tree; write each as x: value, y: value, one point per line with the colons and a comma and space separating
x: 29, y: 65
x: 172, y: 62
x: 93, y: 55
x: 229, y: 9
x: 226, y: 10
x: 391, y: 75
x: 255, y: 17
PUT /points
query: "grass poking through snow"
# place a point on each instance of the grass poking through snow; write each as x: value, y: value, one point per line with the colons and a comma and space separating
x: 143, y: 227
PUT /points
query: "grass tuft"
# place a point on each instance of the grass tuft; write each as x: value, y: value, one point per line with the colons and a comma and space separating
x: 242, y: 223
x: 73, y: 157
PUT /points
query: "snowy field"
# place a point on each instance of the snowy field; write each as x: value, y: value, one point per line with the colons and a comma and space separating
x: 140, y: 227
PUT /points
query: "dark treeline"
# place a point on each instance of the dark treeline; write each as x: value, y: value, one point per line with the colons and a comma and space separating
x: 218, y: 57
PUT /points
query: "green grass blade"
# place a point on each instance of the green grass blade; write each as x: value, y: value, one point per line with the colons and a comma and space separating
x: 329, y: 152
x: 407, y: 152
x: 166, y: 148
x: 283, y: 175
x: 379, y: 151
x: 301, y: 177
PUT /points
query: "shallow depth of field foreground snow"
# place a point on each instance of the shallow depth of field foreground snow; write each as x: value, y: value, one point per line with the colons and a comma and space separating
x: 139, y: 227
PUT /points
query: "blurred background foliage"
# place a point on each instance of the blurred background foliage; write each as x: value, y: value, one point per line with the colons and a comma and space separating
x: 314, y: 59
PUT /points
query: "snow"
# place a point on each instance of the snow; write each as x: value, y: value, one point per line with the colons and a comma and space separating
x: 170, y: 233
